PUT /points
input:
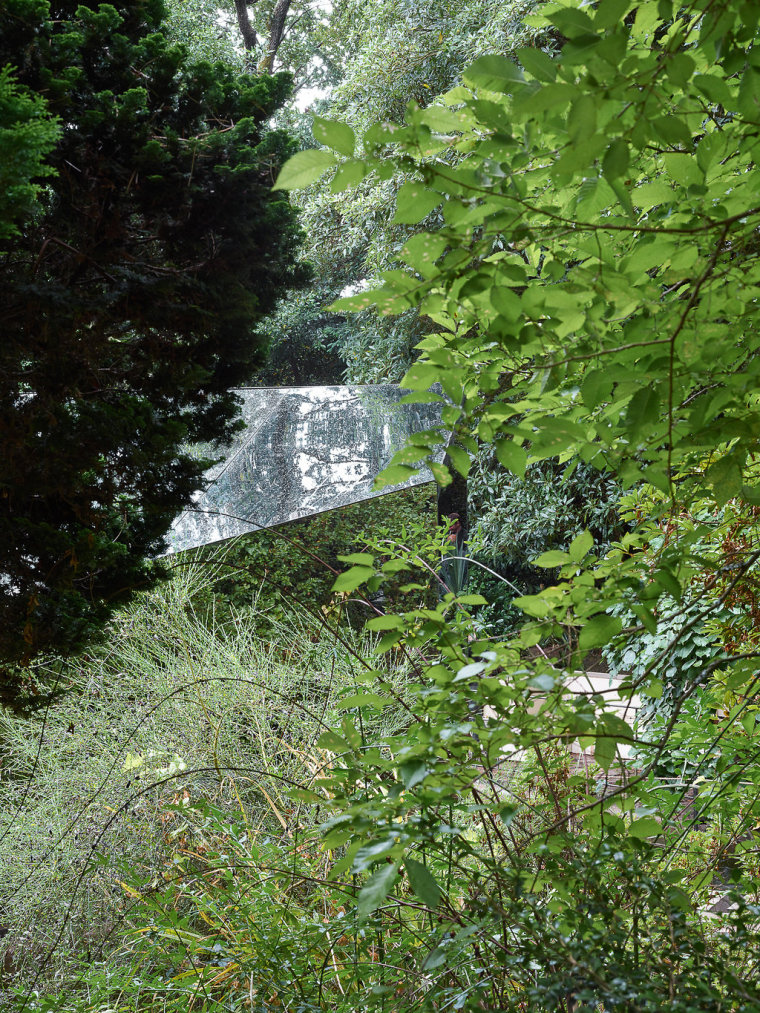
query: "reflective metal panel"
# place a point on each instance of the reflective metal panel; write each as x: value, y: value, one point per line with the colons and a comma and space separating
x: 304, y: 450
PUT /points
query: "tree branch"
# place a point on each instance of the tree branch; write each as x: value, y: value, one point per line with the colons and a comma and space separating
x: 250, y: 39
x: 276, y: 32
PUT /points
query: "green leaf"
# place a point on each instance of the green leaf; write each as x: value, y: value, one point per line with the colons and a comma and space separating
x: 471, y: 599
x: 683, y: 169
x: 304, y: 168
x: 572, y: 22
x: 338, y: 136
x: 599, y: 631
x: 616, y: 160
x: 460, y: 459
x: 368, y: 854
x: 348, y: 174
x: 554, y: 557
x: 333, y: 742
x: 512, y: 456
x: 375, y: 890
x: 533, y: 605
x: 386, y: 622
x: 353, y: 578
x: 423, y: 883
x: 715, y: 88
x: 360, y: 558
x: 505, y: 302
x: 395, y: 474
x: 413, y: 203
x: 441, y: 474
x: 645, y: 827
x: 580, y: 546
x: 434, y: 959
x: 494, y: 73
x: 507, y: 814
x: 643, y: 408
x: 604, y: 751
x: 538, y: 63
x: 413, y: 773
x: 545, y: 683
x: 596, y: 387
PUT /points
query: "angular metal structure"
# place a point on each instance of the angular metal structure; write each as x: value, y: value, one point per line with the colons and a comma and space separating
x: 304, y: 450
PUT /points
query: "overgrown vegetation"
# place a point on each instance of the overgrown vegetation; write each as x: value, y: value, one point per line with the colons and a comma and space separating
x: 458, y: 814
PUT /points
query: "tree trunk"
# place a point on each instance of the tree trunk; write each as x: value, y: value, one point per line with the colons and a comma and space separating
x: 276, y: 33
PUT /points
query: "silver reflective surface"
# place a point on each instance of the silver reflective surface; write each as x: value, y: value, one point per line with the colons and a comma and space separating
x: 304, y: 450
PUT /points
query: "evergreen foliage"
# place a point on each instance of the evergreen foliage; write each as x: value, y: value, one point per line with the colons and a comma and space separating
x: 27, y: 134
x: 127, y: 306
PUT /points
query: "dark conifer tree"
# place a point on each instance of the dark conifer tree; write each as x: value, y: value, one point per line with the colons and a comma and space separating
x: 128, y: 303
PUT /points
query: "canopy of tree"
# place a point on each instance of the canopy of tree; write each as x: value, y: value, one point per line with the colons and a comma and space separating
x: 128, y: 300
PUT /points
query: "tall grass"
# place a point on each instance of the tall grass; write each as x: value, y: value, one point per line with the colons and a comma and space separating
x: 172, y: 709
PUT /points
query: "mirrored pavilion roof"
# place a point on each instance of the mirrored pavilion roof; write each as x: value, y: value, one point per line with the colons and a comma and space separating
x: 304, y: 450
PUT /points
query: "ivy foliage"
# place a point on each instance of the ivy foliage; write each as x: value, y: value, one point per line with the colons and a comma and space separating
x: 128, y: 301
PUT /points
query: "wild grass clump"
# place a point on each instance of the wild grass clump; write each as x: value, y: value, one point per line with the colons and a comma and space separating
x: 170, y: 709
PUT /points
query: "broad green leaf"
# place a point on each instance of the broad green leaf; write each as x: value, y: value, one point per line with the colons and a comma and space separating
x: 533, y: 605
x: 338, y: 136
x: 495, y: 73
x: 423, y: 883
x: 375, y: 890
x: 616, y: 160
x: 580, y: 546
x: 571, y: 22
x: 460, y: 459
x: 333, y: 742
x: 353, y: 578
x: 725, y: 477
x: 421, y: 251
x: 413, y: 773
x: 373, y: 700
x: 545, y: 683
x: 386, y: 622
x: 604, y: 750
x: 304, y: 168
x: 538, y: 63
x: 505, y: 302
x: 507, y: 814
x: 596, y: 387
x: 650, y: 195
x: 581, y: 120
x: 683, y: 169
x: 360, y: 558
x: 395, y: 474
x: 368, y: 854
x: 413, y: 203
x: 610, y: 13
x: 645, y: 827
x: 599, y: 631
x: 441, y: 474
x: 512, y: 456
x: 643, y: 407
x: 672, y: 130
x: 348, y: 174
x: 715, y: 88
x: 434, y: 959
x: 554, y: 557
